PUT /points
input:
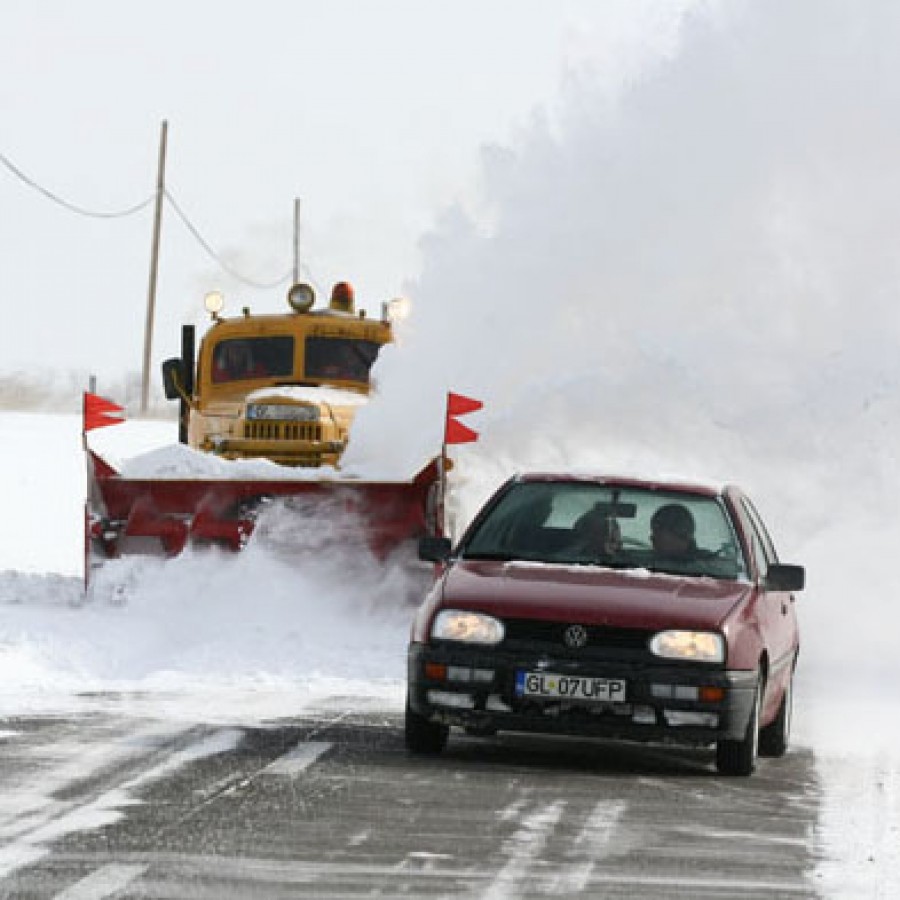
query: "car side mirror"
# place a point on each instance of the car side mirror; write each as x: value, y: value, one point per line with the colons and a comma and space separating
x: 434, y: 549
x: 784, y: 577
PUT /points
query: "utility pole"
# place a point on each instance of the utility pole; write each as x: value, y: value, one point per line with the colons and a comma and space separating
x: 296, y: 241
x: 154, y: 267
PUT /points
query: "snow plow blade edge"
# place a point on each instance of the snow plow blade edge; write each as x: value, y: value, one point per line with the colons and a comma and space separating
x: 163, y: 516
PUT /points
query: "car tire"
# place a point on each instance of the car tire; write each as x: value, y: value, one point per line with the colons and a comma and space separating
x: 775, y: 738
x: 739, y: 757
x: 423, y: 737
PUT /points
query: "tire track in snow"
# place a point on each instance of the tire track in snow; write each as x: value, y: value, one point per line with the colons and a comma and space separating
x: 590, y: 845
x: 35, y: 817
x: 103, y: 882
x: 523, y: 848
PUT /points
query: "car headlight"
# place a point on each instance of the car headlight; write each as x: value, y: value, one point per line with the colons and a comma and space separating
x: 470, y: 627
x: 701, y: 646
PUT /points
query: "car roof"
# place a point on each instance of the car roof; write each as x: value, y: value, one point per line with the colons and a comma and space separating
x: 678, y: 484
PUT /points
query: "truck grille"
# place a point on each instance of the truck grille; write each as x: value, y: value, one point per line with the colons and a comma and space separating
x: 282, y: 431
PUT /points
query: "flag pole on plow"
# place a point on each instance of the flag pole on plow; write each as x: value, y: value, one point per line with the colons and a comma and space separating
x: 96, y: 412
x: 455, y: 432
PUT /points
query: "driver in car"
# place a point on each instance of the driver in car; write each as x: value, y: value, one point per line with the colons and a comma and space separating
x: 672, y: 532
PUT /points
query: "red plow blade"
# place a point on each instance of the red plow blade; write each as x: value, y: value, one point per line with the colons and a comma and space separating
x: 163, y: 516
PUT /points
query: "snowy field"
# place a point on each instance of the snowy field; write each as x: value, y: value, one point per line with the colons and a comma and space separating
x: 241, y: 640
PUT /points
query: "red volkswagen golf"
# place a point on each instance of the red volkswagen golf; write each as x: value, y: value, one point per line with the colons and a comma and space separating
x: 614, y: 607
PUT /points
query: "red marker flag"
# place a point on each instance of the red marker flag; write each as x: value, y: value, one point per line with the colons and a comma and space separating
x: 98, y: 412
x: 457, y: 433
x: 458, y: 405
x: 454, y: 431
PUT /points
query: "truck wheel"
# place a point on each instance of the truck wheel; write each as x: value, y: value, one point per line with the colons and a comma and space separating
x: 424, y: 737
x: 775, y: 738
x: 739, y: 757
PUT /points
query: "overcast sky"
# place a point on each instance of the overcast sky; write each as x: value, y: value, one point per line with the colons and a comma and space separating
x: 374, y: 114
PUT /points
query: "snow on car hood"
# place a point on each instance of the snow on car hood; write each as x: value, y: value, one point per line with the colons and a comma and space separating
x: 591, y: 595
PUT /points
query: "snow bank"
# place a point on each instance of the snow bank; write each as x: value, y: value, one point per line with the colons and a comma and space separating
x: 207, y: 635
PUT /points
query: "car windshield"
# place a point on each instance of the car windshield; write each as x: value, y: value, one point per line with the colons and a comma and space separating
x: 584, y: 523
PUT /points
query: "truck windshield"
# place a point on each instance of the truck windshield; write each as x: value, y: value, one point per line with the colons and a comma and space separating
x: 342, y: 359
x: 238, y: 359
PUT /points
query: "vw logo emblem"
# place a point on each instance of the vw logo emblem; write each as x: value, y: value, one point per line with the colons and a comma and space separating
x: 575, y: 636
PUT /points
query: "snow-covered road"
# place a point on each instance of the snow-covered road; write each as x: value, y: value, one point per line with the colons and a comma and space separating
x: 188, y: 653
x: 329, y: 805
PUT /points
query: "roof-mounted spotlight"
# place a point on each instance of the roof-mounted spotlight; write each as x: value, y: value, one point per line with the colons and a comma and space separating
x: 301, y: 297
x: 396, y: 310
x: 214, y: 302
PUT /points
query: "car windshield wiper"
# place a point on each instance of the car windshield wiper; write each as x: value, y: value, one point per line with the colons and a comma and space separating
x: 502, y: 556
x: 675, y: 570
x: 595, y: 561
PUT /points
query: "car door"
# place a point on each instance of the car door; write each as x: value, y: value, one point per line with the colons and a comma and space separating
x: 776, y: 612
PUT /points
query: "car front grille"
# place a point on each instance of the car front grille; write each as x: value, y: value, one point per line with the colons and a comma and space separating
x: 536, y: 634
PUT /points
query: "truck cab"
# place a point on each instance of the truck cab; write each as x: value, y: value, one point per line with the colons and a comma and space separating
x: 283, y: 387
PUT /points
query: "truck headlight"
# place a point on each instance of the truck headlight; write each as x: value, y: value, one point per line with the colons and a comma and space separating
x: 282, y: 412
x: 700, y: 646
x: 469, y: 627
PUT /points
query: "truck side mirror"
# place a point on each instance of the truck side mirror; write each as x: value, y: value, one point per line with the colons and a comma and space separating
x: 173, y: 379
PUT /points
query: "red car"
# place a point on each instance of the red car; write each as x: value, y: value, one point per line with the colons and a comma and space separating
x: 616, y: 607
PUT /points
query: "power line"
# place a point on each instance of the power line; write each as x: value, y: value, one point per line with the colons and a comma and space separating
x: 131, y: 210
x: 284, y: 279
x: 73, y: 207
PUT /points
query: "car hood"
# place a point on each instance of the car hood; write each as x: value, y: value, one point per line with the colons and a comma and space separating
x: 590, y: 595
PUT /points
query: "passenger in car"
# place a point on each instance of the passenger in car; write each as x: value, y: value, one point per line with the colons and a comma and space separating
x: 597, y: 532
x: 528, y: 534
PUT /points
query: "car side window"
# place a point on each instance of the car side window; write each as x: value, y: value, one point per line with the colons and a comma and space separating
x: 763, y: 551
x: 761, y: 528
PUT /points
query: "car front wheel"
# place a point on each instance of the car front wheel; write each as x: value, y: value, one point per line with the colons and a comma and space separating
x: 424, y: 737
x: 739, y: 757
x: 775, y: 738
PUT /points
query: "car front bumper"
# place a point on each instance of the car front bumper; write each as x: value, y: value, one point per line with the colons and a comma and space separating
x: 476, y: 688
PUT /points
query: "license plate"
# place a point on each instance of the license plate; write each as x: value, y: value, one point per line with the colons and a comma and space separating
x: 569, y: 687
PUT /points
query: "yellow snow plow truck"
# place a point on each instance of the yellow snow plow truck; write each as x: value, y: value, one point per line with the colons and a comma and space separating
x: 279, y: 387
